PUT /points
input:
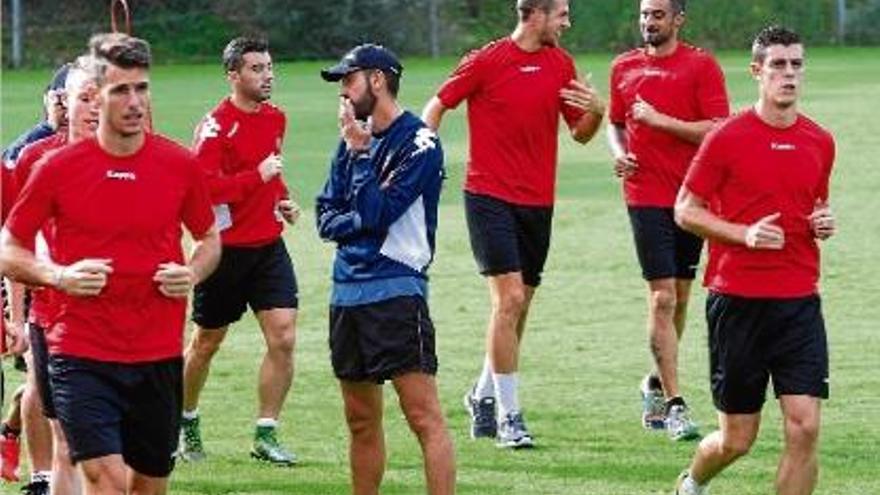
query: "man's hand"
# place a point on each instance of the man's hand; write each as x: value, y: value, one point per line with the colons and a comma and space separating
x: 175, y: 280
x: 357, y: 136
x: 582, y: 95
x: 270, y: 167
x: 289, y: 210
x: 85, y: 278
x: 644, y: 112
x: 765, y: 234
x: 625, y: 165
x: 822, y: 221
x: 16, y: 339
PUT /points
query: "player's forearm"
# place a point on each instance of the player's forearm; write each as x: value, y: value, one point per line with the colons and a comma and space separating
x: 205, y: 255
x: 697, y: 219
x: 16, y: 291
x: 586, y: 127
x: 433, y: 112
x: 19, y: 263
x: 692, y: 132
x: 616, y: 137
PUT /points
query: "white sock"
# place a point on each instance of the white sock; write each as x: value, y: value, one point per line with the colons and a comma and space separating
x: 505, y: 393
x: 485, y: 387
x: 690, y: 487
x: 191, y: 414
x: 38, y: 476
x: 267, y: 422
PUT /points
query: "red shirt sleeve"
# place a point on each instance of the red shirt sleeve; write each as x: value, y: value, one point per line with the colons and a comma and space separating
x: 571, y: 114
x: 209, y: 149
x: 463, y: 82
x: 831, y: 152
x: 198, y: 217
x: 712, y: 92
x: 616, y: 107
x: 35, y: 203
x: 707, y: 169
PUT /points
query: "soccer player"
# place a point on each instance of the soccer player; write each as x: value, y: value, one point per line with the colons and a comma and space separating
x: 238, y: 145
x: 55, y: 115
x: 82, y: 118
x: 115, y: 344
x: 379, y: 205
x: 758, y: 191
x: 30, y: 410
x: 665, y: 97
x: 516, y: 89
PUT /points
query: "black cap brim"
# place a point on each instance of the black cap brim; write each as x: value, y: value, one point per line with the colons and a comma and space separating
x: 337, y: 72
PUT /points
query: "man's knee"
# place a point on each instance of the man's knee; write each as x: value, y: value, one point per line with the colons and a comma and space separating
x: 663, y: 301
x: 511, y: 301
x: 736, y: 446
x: 802, y: 431
x: 282, y: 340
x: 206, y: 343
x: 103, y: 477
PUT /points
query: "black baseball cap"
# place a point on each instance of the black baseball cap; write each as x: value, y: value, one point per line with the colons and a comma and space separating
x: 59, y: 79
x: 366, y: 56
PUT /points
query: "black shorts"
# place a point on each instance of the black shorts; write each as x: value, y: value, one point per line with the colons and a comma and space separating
x: 40, y: 361
x: 752, y: 340
x: 261, y: 277
x: 379, y: 341
x: 664, y: 249
x: 128, y: 409
x: 508, y: 238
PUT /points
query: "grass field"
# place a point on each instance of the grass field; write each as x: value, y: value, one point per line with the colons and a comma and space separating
x: 586, y: 348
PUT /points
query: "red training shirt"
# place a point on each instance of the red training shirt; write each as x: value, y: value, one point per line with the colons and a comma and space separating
x: 230, y: 144
x: 747, y: 170
x: 130, y: 210
x: 513, y: 118
x: 687, y: 84
x: 43, y: 301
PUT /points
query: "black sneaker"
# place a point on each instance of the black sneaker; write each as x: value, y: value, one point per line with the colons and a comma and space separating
x: 36, y: 488
x: 482, y: 413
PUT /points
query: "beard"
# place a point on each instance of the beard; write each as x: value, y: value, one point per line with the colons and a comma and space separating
x: 364, y: 106
x: 655, y: 38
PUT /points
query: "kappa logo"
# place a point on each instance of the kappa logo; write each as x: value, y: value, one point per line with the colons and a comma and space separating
x: 121, y: 175
x: 528, y: 69
x: 210, y: 128
x: 782, y: 146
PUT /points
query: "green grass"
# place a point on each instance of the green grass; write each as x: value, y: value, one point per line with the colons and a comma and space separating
x: 585, y: 350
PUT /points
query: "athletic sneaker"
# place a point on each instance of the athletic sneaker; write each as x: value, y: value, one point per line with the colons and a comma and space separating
x: 267, y: 448
x: 681, y: 490
x: 512, y: 433
x: 10, y: 450
x: 190, y: 448
x: 653, y: 403
x: 36, y: 488
x: 679, y: 425
x: 482, y: 413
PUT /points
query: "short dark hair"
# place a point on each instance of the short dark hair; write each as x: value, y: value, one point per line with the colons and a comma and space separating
x: 772, y: 35
x: 526, y: 7
x: 233, y: 54
x: 121, y: 50
x: 678, y: 6
x: 392, y: 82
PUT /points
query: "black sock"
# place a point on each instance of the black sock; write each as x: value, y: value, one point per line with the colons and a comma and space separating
x: 674, y: 401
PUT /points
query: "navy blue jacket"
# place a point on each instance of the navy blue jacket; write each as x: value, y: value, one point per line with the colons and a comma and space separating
x: 381, y: 207
x: 39, y: 131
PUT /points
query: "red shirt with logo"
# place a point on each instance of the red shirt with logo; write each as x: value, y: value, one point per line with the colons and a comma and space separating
x: 43, y: 309
x: 513, y: 118
x: 747, y: 170
x: 129, y: 210
x: 230, y: 144
x: 688, y: 85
